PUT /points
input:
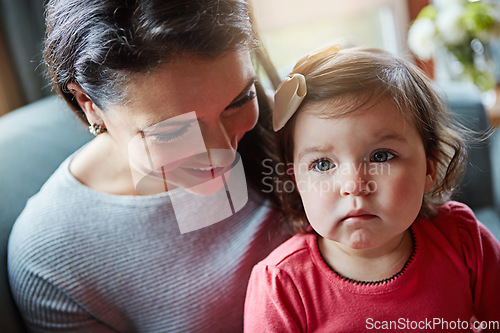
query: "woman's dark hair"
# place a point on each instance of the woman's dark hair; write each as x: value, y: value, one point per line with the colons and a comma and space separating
x: 99, y: 44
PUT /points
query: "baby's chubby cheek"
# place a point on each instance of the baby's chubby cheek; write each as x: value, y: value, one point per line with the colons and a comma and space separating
x: 320, y: 211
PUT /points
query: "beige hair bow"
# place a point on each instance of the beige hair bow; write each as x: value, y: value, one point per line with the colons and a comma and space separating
x: 293, y: 89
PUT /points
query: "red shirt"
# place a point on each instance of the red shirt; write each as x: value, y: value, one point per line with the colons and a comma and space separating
x: 452, y: 275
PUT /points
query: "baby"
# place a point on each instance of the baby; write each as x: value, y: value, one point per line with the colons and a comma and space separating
x: 374, y: 158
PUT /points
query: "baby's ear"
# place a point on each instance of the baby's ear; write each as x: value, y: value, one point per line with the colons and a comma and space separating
x: 430, y: 178
x: 92, y: 112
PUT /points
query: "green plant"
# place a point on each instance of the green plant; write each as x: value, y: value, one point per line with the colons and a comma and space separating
x: 463, y: 28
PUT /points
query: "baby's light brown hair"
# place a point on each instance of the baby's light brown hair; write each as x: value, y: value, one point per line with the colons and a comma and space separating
x: 360, y: 77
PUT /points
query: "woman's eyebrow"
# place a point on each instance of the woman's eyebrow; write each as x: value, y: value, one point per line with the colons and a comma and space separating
x: 167, y: 123
x: 244, y: 91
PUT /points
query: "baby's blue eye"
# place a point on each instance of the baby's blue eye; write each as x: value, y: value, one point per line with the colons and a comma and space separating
x: 382, y: 156
x: 322, y: 165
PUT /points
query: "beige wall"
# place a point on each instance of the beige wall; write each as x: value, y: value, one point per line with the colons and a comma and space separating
x: 275, y: 14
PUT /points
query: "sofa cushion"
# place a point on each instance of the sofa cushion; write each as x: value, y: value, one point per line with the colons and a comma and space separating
x: 490, y: 218
x: 465, y: 103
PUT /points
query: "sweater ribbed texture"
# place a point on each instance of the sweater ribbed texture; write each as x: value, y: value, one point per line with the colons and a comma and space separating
x: 85, y: 261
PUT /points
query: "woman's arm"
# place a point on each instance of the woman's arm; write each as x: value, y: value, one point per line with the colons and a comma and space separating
x: 47, y: 308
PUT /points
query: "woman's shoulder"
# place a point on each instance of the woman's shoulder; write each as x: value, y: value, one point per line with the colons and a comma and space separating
x: 65, y: 210
x: 47, y: 214
x: 52, y: 196
x: 40, y: 229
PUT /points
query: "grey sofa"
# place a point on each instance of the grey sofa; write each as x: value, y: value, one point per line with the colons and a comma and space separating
x: 35, y: 139
x: 480, y: 187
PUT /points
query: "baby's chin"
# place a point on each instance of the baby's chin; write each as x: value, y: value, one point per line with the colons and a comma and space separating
x: 357, y: 240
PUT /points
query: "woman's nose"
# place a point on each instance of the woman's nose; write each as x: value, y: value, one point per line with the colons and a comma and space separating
x: 221, y: 147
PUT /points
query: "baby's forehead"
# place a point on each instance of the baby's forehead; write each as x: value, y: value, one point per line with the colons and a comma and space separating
x: 340, y: 108
x: 346, y: 104
x: 365, y: 125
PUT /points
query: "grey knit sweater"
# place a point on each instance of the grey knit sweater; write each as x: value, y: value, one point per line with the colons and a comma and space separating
x: 84, y: 261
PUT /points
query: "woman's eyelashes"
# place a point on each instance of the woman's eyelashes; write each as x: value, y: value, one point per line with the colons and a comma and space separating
x: 242, y: 101
x: 167, y: 137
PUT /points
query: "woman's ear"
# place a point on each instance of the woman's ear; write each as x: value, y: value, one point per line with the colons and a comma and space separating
x: 430, y: 177
x: 92, y: 112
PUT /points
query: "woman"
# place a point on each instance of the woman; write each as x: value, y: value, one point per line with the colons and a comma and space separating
x: 95, y: 252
